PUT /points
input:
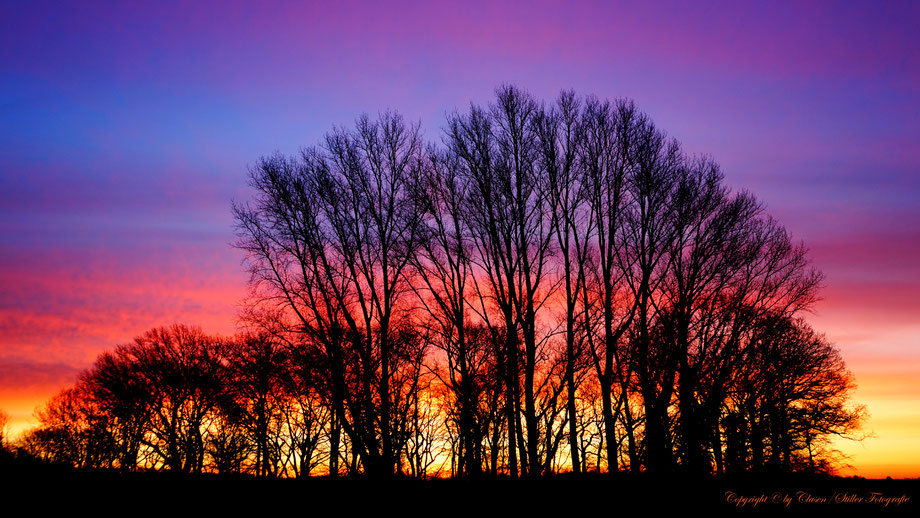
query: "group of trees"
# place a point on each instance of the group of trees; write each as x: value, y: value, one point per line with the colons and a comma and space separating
x: 552, y: 287
x: 179, y: 399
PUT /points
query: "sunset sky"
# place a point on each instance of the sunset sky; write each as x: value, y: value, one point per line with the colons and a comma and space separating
x: 126, y: 130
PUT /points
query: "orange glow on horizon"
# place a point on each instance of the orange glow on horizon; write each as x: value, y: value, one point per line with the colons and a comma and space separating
x: 68, y: 342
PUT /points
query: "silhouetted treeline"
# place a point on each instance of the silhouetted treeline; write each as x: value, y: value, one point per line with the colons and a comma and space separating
x: 552, y: 287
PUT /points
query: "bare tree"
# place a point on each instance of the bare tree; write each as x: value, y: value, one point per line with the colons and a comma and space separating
x: 555, y: 287
x: 257, y: 368
x: 605, y: 156
x: 559, y: 132
x: 508, y: 208
x: 71, y: 430
x: 795, y: 394
x: 442, y: 268
x: 653, y: 165
x: 185, y: 372
x: 328, y: 241
x: 116, y: 385
x: 706, y: 257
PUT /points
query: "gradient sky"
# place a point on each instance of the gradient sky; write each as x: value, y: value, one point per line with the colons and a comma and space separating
x: 126, y: 129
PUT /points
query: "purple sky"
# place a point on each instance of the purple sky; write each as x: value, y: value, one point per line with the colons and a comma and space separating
x: 126, y: 129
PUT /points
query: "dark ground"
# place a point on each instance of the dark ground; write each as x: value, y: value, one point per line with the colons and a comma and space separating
x: 62, y: 491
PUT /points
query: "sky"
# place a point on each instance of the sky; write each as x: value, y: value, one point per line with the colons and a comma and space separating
x: 127, y: 128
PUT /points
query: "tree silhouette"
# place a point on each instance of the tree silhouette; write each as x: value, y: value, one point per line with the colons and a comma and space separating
x: 508, y: 205
x: 554, y: 287
x: 258, y: 366
x: 329, y: 239
x: 185, y: 372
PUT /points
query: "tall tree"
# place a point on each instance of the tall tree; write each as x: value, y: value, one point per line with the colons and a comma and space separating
x: 258, y: 364
x: 443, y: 269
x: 328, y: 240
x: 123, y: 394
x: 508, y: 208
x: 654, y: 162
x: 559, y: 132
x: 605, y: 156
x: 706, y: 256
x: 184, y: 369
